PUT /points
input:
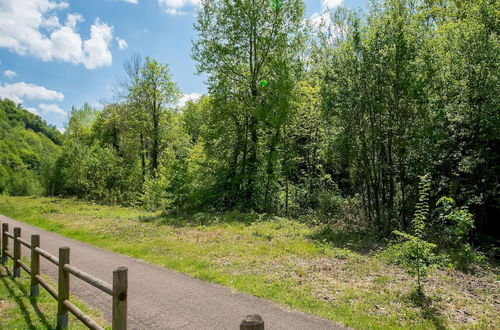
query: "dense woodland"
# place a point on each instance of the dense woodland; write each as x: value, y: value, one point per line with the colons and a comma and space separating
x: 28, y: 151
x: 332, y: 120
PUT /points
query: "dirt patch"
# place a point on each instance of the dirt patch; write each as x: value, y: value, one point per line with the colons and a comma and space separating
x: 4, y: 305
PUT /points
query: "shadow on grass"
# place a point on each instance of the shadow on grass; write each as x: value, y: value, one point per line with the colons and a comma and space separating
x: 428, y: 307
x: 9, y: 283
x: 362, y: 242
x: 192, y: 219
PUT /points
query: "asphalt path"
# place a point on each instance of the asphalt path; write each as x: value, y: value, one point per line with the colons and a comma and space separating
x: 160, y: 298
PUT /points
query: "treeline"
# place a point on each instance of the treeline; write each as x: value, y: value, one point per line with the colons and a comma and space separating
x: 337, y: 118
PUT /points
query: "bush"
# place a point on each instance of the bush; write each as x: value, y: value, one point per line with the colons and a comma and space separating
x: 415, y: 255
x: 344, y: 211
x: 467, y: 258
x: 453, y: 223
x: 155, y: 195
x: 25, y: 183
x: 453, y: 226
x: 4, y: 175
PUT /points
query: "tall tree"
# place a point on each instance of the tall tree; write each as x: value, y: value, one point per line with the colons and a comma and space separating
x: 153, y: 97
x: 250, y: 50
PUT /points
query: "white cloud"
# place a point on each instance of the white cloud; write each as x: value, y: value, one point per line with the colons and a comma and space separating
x: 9, y: 73
x: 175, y: 12
x: 122, y: 43
x: 329, y: 4
x: 31, y: 27
x: 323, y: 22
x: 32, y: 110
x: 173, y: 7
x: 16, y: 92
x: 73, y: 19
x: 96, y: 48
x: 131, y: 1
x: 188, y: 97
x: 320, y: 20
x: 52, y: 108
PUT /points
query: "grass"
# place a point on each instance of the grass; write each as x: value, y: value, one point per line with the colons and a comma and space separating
x: 19, y: 311
x: 316, y: 270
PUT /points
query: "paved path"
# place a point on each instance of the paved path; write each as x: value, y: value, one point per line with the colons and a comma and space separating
x: 160, y: 298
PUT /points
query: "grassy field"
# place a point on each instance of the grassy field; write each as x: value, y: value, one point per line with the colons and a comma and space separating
x: 336, y: 275
x: 19, y: 311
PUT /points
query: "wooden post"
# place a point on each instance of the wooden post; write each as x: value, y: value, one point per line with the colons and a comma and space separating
x: 63, y: 290
x: 252, y: 322
x: 35, y: 265
x: 120, y: 287
x: 16, y: 271
x: 5, y: 242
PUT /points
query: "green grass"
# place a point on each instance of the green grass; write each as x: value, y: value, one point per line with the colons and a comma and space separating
x: 19, y: 311
x: 319, y: 271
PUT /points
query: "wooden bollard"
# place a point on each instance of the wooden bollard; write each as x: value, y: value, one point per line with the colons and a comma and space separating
x: 63, y: 290
x: 35, y: 265
x: 252, y: 322
x: 5, y: 242
x: 16, y: 271
x: 120, y: 288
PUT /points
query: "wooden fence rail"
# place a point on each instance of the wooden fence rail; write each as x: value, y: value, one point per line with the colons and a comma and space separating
x: 118, y: 290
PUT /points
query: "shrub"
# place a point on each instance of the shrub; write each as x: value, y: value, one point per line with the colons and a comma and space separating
x: 155, y: 195
x: 453, y: 226
x: 414, y: 253
x: 25, y: 183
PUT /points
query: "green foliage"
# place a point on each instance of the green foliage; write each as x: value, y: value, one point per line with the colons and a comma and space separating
x: 24, y: 184
x: 331, y: 122
x: 27, y: 147
x: 452, y: 228
x: 240, y: 46
x: 154, y: 196
x: 422, y: 207
x: 467, y: 258
x: 16, y: 115
x: 414, y: 253
x: 453, y: 224
x: 412, y: 88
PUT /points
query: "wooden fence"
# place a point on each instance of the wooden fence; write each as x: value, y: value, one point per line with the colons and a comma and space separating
x: 118, y: 290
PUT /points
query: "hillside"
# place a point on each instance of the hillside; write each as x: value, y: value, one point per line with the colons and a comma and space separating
x: 28, y: 148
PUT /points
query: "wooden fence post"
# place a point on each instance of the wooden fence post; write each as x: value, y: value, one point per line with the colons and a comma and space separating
x: 120, y: 287
x: 252, y: 322
x: 16, y: 271
x: 35, y: 265
x: 5, y: 242
x: 63, y: 290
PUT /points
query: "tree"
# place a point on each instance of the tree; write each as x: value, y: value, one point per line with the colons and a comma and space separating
x: 153, y: 96
x: 250, y: 50
x: 416, y: 254
x: 465, y: 104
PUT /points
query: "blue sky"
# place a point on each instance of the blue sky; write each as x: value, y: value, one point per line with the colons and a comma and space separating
x: 55, y: 54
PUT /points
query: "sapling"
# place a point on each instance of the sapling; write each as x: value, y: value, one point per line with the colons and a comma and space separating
x: 415, y: 254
